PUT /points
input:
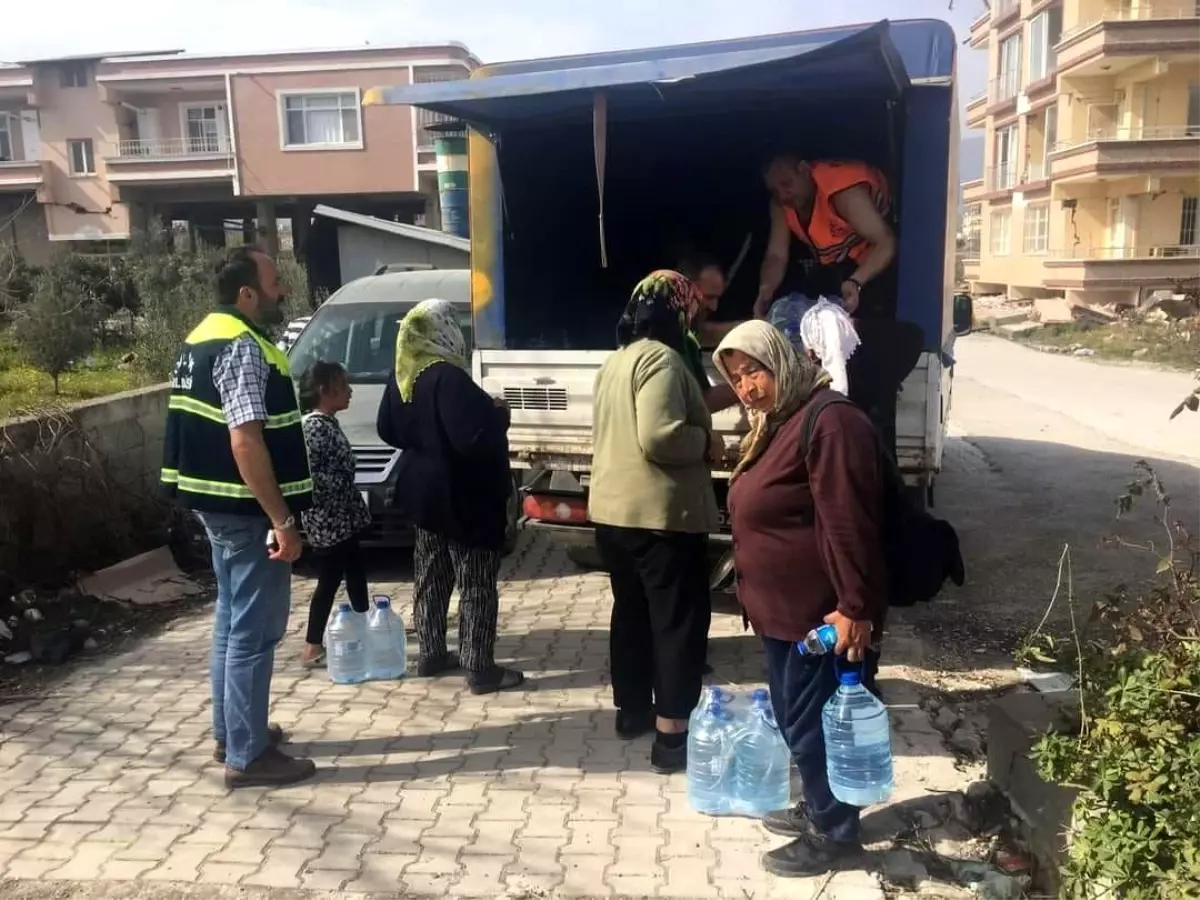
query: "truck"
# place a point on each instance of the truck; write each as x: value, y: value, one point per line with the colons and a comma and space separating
x: 584, y: 169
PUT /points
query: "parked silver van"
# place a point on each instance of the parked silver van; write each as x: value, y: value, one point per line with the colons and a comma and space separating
x: 357, y: 327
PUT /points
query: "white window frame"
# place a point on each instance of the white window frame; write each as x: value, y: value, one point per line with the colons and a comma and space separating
x: 1009, y: 75
x: 6, y: 129
x: 89, y: 157
x: 998, y: 215
x: 219, y: 118
x: 1036, y: 241
x: 1009, y: 178
x: 281, y: 98
x: 1051, y: 115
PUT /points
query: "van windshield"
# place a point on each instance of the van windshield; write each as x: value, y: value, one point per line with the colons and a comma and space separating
x: 360, y: 336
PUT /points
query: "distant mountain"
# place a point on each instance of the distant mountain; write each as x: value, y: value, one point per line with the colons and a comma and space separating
x: 970, y: 158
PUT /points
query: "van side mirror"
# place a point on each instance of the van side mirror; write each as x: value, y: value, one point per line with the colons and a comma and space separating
x: 964, y: 314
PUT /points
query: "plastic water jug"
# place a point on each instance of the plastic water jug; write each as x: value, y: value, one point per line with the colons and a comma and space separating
x: 346, y: 646
x: 858, y: 743
x: 762, y: 763
x: 709, y: 756
x: 785, y: 316
x: 387, y: 653
x: 818, y: 642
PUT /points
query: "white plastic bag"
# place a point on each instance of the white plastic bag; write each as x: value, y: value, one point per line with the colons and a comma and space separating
x: 829, y: 333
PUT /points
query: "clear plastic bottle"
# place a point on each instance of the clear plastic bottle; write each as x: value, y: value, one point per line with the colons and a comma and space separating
x: 762, y: 767
x: 858, y: 744
x: 786, y: 314
x: 818, y: 642
x: 346, y: 646
x: 387, y: 652
x: 709, y: 756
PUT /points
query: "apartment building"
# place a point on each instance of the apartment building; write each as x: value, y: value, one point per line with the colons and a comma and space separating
x: 97, y: 149
x: 1091, y: 180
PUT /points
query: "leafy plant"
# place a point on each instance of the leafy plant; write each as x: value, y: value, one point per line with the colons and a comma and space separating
x: 57, y: 328
x: 176, y: 291
x: 1136, y: 758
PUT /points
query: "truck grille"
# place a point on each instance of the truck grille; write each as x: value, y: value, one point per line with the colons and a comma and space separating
x: 536, y: 398
x: 373, y: 461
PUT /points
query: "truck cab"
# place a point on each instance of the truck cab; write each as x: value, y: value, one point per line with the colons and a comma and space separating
x: 586, y: 171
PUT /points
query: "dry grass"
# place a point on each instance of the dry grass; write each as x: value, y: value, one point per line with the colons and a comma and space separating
x: 1174, y: 344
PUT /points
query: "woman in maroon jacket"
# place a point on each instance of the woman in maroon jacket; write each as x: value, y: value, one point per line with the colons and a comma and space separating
x: 807, y: 546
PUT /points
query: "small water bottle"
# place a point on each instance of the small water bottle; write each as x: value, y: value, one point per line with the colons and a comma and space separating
x: 818, y: 642
x: 762, y: 766
x: 858, y: 743
x: 386, y: 648
x: 709, y: 756
x: 346, y: 646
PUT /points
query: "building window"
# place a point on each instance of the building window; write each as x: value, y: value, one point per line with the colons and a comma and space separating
x: 1051, y: 131
x: 1193, y: 109
x: 1045, y: 30
x: 6, y: 141
x: 1009, y: 81
x: 322, y: 120
x: 1037, y: 228
x: 73, y: 75
x: 1006, y: 158
x: 83, y: 162
x: 204, y: 129
x: 1001, y: 223
x: 1187, y: 221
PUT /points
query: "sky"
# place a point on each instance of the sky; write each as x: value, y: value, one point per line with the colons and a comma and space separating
x: 495, y: 30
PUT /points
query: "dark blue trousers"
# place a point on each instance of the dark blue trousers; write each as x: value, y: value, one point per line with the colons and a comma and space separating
x: 800, y: 688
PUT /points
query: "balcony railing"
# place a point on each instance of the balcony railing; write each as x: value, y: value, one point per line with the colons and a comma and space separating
x: 1001, y: 177
x: 1004, y: 88
x: 1134, y: 14
x: 173, y: 148
x: 1034, y: 171
x: 1134, y: 133
x: 1160, y: 251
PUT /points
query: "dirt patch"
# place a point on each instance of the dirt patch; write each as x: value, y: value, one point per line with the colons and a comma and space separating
x: 1175, y: 344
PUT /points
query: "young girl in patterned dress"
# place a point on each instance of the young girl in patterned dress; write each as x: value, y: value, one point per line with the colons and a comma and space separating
x: 338, y: 513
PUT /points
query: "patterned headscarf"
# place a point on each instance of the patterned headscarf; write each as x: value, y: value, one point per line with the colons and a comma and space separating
x: 429, y: 334
x: 796, y: 378
x: 662, y: 308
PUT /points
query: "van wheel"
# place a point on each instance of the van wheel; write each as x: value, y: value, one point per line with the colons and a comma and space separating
x: 512, y: 525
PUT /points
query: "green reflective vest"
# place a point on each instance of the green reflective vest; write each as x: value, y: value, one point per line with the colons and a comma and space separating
x: 199, y: 470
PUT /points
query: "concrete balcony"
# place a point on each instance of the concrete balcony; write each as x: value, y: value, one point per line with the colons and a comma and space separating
x: 973, y: 191
x: 1119, y: 152
x: 1121, y: 38
x: 1000, y: 178
x: 171, y: 160
x: 977, y: 110
x: 23, y: 175
x: 1002, y: 94
x: 980, y: 29
x: 1005, y: 12
x: 1122, y: 267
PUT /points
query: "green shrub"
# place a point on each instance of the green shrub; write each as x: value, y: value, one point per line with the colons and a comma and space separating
x: 176, y: 291
x: 57, y: 328
x: 1136, y: 760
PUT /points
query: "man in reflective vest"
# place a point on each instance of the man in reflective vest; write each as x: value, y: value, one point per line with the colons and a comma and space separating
x: 234, y: 454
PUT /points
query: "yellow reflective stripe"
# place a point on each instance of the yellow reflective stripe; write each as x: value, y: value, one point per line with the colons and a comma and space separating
x: 228, y: 489
x: 183, y: 403
x: 224, y: 327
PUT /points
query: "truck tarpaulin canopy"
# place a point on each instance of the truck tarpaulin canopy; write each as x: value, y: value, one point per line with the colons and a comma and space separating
x: 876, y: 60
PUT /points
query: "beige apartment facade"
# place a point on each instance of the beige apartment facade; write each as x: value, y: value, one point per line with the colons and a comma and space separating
x: 99, y: 149
x: 1091, y: 180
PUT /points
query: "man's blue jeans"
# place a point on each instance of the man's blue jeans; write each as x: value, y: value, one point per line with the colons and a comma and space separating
x: 253, y: 601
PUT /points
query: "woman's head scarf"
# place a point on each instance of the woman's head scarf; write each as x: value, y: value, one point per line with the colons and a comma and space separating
x: 429, y: 334
x: 661, y: 308
x: 796, y: 378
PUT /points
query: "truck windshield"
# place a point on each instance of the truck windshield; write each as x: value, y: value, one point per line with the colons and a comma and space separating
x: 360, y: 336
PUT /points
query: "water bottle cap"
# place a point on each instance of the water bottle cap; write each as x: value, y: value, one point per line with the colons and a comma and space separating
x: 343, y: 607
x: 383, y: 603
x: 760, y: 695
x: 850, y: 678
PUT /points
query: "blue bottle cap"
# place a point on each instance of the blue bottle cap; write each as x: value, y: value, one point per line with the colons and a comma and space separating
x: 760, y: 695
x: 850, y: 677
x: 343, y: 607
x: 383, y: 603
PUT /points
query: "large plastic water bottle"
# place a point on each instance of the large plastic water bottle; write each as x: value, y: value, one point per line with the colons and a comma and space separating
x: 858, y: 744
x: 387, y: 653
x: 762, y: 762
x: 818, y: 642
x: 709, y: 756
x: 346, y: 646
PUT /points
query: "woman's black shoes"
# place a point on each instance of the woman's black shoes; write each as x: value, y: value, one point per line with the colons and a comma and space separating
x: 497, y: 678
x: 633, y: 724
x: 669, y: 753
x: 433, y: 666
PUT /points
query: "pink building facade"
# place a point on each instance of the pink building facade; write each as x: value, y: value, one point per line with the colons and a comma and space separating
x: 102, y: 149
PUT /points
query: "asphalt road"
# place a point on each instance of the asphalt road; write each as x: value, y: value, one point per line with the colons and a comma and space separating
x: 1041, y: 445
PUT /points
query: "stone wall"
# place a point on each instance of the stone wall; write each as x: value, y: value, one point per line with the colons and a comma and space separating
x: 78, y: 487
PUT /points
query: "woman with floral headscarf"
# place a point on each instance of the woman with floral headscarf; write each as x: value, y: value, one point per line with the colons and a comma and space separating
x: 453, y: 484
x: 806, y: 504
x: 651, y: 500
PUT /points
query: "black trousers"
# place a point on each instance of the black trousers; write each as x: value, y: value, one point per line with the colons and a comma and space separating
x: 334, y: 564
x: 660, y: 617
x: 440, y: 564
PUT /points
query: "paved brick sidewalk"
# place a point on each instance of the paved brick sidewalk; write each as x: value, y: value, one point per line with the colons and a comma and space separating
x: 424, y: 789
